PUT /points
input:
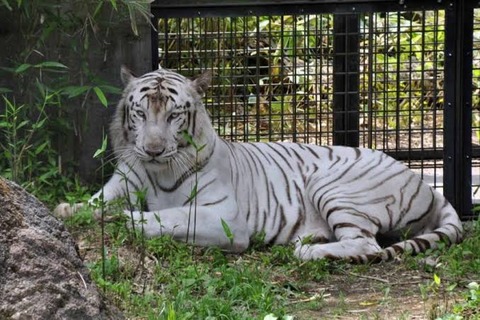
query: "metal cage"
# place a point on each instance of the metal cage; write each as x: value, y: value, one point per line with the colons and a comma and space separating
x: 399, y: 76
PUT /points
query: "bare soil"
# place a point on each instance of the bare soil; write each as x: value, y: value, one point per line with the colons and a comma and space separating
x: 384, y: 291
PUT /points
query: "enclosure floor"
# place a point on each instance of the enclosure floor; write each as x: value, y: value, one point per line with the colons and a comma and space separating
x: 434, y: 177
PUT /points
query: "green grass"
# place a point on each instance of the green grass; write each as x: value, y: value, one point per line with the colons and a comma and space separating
x: 177, y: 281
x: 460, y: 266
x: 163, y: 279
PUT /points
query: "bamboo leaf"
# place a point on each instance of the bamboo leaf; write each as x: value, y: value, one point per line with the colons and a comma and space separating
x: 100, y: 152
x: 22, y: 68
x: 227, y: 230
x: 41, y: 147
x: 189, y: 139
x: 97, y: 9
x: 74, y: 91
x: 6, y: 4
x: 101, y: 96
x: 114, y: 4
x: 23, y: 124
x: 110, y: 89
x: 193, y: 193
x: 39, y: 124
x: 51, y: 64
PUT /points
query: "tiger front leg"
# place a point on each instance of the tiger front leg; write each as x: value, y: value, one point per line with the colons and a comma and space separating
x: 201, y: 226
x: 347, y: 249
x: 112, y: 190
x: 351, y: 240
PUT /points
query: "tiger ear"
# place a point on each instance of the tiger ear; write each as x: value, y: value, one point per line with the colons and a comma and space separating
x: 202, y: 82
x: 126, y: 75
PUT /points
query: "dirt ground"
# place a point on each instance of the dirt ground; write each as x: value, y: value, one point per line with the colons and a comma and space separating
x: 389, y: 290
x: 384, y: 291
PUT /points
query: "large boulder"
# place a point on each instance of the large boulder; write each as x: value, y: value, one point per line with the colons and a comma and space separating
x: 41, y: 273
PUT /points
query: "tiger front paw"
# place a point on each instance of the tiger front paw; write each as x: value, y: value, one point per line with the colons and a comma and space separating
x: 66, y: 210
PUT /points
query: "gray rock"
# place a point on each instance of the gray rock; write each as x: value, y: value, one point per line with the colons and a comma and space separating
x: 41, y: 273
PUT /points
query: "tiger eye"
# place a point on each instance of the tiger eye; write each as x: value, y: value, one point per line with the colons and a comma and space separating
x: 141, y: 114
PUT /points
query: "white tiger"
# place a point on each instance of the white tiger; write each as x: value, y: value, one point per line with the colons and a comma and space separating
x: 331, y: 201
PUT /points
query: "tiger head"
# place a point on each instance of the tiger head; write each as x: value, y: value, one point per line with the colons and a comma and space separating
x: 159, y: 114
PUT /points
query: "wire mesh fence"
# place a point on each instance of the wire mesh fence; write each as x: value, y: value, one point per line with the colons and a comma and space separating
x: 476, y: 104
x: 372, y: 79
x: 268, y: 85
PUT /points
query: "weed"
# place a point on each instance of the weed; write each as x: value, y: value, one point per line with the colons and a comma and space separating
x: 82, y: 218
x: 341, y: 305
x: 437, y: 296
x: 469, y: 308
x: 192, y: 198
x: 28, y: 158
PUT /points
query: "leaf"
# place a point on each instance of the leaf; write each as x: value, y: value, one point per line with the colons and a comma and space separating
x: 157, y: 218
x: 138, y: 8
x: 187, y: 136
x: 74, y: 91
x: 114, y: 4
x: 436, y: 279
x: 227, y: 230
x: 39, y: 124
x: 51, y: 64
x: 97, y: 9
x: 101, y: 96
x: 23, y: 124
x: 171, y: 313
x: 110, y: 89
x: 41, y: 147
x: 42, y: 88
x: 6, y: 4
x: 103, y: 148
x: 22, y: 68
x: 473, y: 286
x: 193, y: 193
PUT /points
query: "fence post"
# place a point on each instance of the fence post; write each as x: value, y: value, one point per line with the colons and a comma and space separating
x: 154, y: 35
x: 346, y: 79
x: 458, y: 110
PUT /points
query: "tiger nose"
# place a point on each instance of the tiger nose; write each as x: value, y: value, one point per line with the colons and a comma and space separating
x: 154, y: 152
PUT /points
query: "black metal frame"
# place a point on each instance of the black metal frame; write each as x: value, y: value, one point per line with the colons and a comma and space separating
x: 346, y: 66
x: 457, y: 152
x: 458, y: 111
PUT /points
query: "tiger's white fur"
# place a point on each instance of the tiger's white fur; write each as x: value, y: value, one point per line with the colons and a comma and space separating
x: 338, y: 198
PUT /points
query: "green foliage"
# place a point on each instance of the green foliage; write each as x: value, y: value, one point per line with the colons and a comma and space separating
x: 471, y: 306
x: 35, y: 113
x: 464, y: 258
x: 228, y: 232
x: 100, y: 153
x: 83, y: 218
x: 456, y: 266
x: 29, y: 157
